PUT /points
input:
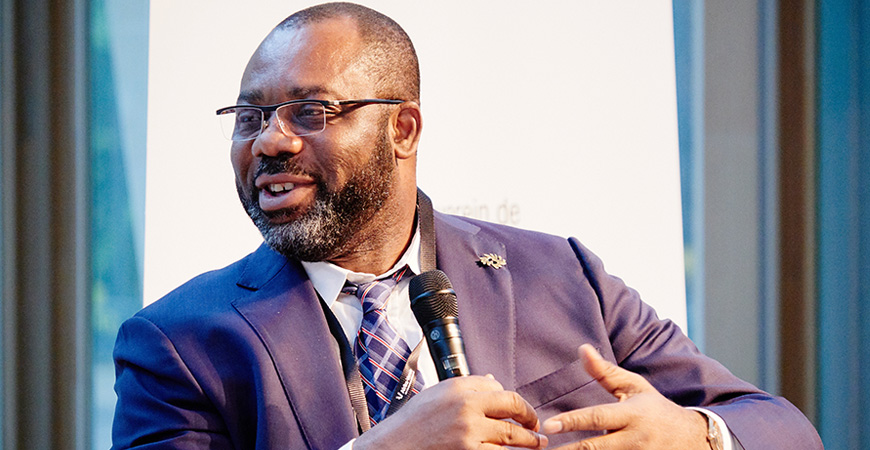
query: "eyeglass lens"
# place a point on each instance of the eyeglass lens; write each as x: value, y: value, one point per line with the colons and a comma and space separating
x: 300, y: 119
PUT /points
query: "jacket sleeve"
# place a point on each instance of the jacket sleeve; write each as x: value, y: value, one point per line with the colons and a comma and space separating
x: 661, y: 353
x: 160, y: 404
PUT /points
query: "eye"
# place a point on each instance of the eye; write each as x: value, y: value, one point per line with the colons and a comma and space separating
x: 303, y: 118
x: 309, y: 110
x: 247, y: 115
x: 248, y: 123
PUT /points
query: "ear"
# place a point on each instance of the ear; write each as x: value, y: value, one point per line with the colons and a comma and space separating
x: 406, y: 123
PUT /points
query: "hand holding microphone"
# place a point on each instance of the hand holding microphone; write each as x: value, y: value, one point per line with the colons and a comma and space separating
x: 463, y: 411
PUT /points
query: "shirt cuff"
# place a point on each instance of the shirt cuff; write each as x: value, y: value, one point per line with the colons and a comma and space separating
x: 727, y: 437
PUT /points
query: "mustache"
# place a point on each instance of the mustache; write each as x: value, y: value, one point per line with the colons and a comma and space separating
x: 273, y: 165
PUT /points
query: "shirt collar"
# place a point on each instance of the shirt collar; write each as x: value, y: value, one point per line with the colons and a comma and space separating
x: 328, y: 279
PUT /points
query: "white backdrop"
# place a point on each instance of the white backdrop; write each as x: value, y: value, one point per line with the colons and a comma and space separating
x: 602, y: 165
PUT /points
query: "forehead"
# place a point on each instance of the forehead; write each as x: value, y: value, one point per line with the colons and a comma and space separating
x: 321, y: 58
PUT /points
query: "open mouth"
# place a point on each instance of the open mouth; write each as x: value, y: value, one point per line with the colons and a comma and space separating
x: 278, y: 188
x: 285, y: 195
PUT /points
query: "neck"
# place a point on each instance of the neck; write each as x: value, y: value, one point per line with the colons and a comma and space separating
x: 376, y: 249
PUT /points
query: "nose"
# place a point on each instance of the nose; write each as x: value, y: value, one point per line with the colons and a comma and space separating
x: 272, y: 140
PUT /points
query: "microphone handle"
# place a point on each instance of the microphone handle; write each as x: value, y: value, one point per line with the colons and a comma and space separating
x: 446, y: 347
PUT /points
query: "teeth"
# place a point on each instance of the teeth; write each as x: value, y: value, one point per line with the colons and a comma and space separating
x: 276, y: 188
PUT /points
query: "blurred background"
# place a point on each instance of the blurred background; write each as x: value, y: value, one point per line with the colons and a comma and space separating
x: 774, y: 122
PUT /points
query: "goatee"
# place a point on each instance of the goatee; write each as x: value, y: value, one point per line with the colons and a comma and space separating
x: 326, y: 229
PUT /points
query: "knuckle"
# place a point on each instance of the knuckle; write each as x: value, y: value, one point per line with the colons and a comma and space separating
x: 597, y: 419
x: 506, y: 432
x: 588, y: 445
x: 569, y: 421
x: 611, y: 371
x: 516, y: 402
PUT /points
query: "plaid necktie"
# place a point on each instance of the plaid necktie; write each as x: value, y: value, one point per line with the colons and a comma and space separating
x: 380, y: 350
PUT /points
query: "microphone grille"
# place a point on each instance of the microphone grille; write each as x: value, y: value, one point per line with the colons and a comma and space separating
x: 432, y: 297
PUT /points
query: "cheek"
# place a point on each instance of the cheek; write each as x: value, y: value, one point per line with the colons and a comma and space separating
x: 340, y: 165
x: 242, y: 160
x: 340, y: 155
x: 323, y: 156
x: 240, y: 157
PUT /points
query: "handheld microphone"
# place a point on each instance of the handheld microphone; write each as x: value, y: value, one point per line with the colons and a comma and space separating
x: 434, y: 304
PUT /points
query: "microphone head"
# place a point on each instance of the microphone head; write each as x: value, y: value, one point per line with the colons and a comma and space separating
x: 432, y: 297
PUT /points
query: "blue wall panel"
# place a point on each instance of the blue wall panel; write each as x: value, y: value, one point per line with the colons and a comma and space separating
x: 844, y: 223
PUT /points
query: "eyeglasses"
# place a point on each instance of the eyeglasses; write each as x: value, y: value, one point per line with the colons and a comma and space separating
x: 295, y: 117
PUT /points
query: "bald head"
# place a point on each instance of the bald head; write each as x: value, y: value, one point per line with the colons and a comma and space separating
x: 386, y: 52
x: 348, y: 193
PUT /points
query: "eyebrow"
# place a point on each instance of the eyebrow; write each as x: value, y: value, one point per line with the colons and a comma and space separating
x: 307, y: 92
x: 256, y: 96
x: 249, y: 97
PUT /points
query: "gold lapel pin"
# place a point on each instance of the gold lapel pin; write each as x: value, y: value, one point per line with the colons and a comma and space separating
x: 492, y: 260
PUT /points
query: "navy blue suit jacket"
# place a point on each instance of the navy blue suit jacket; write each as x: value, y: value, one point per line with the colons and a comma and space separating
x: 242, y: 357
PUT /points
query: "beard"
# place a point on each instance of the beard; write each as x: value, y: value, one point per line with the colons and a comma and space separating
x: 326, y: 228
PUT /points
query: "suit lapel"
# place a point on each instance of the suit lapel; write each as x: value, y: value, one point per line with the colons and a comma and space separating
x: 285, y: 312
x: 485, y: 296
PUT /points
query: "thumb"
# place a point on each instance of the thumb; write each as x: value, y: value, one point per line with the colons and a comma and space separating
x: 621, y: 383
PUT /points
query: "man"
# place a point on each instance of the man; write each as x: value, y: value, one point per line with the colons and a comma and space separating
x: 258, y: 355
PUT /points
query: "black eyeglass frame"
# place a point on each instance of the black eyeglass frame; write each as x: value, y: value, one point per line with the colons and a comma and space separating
x: 272, y: 108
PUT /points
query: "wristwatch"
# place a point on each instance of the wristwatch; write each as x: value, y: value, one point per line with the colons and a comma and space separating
x: 714, y: 434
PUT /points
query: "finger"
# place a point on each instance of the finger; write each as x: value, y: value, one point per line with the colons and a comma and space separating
x: 472, y: 383
x: 506, y: 433
x: 482, y: 384
x: 612, y: 416
x: 618, y: 381
x: 509, y: 405
x: 611, y: 441
x: 488, y: 446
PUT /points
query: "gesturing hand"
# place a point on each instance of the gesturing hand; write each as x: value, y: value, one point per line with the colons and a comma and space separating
x: 642, y: 419
x: 458, y: 413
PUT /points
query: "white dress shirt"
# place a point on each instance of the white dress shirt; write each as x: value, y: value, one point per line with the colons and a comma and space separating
x: 328, y: 279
